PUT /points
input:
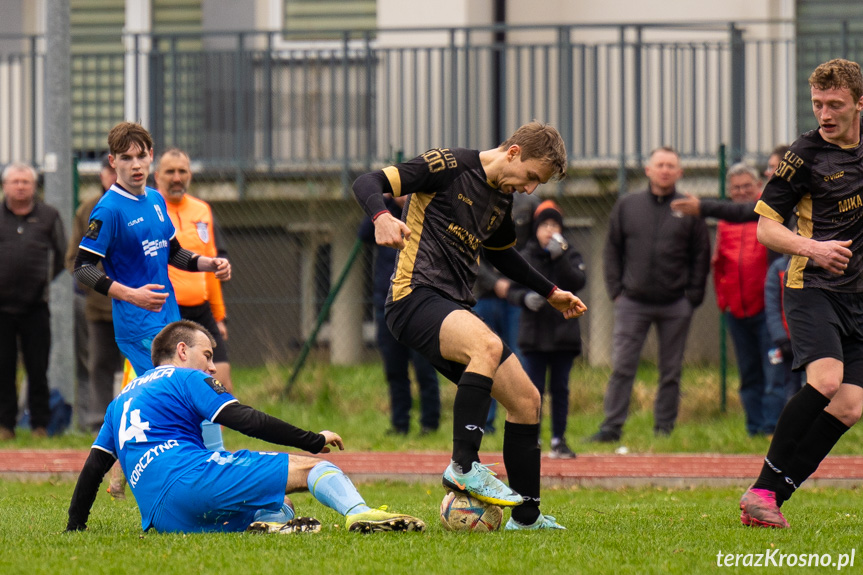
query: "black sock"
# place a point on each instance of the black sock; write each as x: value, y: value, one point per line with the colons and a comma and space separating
x: 521, y: 456
x: 469, y: 412
x: 796, y: 420
x: 822, y: 436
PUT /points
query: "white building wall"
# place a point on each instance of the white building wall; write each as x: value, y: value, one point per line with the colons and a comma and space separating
x: 615, y: 11
x: 688, y: 108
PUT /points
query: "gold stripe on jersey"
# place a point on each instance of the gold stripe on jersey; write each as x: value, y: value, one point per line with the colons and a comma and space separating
x: 408, y: 256
x: 392, y: 174
x: 506, y: 247
x: 804, y: 229
x: 795, y: 272
x: 763, y: 209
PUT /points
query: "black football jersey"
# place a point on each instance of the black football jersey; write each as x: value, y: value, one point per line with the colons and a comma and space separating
x: 452, y: 212
x: 825, y: 182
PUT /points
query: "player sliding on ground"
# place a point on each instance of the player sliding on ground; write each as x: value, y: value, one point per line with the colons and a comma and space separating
x: 460, y: 202
x: 154, y: 428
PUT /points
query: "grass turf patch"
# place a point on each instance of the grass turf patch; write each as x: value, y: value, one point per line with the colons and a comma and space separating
x: 634, y: 530
x: 354, y: 402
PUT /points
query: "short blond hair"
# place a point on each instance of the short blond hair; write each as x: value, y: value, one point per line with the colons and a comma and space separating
x: 838, y: 73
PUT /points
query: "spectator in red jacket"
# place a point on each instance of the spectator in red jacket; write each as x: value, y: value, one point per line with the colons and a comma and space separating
x: 739, y: 270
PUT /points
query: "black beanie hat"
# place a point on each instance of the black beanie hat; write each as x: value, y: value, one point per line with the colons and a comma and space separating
x: 547, y: 210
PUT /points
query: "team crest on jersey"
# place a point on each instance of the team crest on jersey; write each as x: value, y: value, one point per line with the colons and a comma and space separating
x: 93, y: 229
x: 203, y: 231
x: 159, y: 212
x: 216, y: 385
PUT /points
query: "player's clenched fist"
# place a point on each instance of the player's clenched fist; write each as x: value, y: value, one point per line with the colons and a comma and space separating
x: 391, y: 231
x: 222, y: 268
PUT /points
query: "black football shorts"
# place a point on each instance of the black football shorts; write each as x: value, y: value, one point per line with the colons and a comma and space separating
x: 826, y: 324
x: 415, y: 321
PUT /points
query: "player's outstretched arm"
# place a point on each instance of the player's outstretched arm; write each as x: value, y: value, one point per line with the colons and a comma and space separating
x: 688, y: 204
x: 567, y: 303
x: 513, y: 265
x: 254, y: 423
x: 97, y: 465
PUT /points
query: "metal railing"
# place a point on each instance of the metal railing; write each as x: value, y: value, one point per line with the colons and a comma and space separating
x: 277, y: 127
x: 263, y: 101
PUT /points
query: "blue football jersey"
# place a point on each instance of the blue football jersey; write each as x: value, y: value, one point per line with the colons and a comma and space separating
x: 153, y: 427
x: 132, y: 234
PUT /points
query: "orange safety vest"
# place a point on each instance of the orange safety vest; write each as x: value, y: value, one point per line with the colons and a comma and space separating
x: 193, y: 220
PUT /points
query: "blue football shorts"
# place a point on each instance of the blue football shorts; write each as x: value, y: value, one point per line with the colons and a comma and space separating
x: 225, y: 493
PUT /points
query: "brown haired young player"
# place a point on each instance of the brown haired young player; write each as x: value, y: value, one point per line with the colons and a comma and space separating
x: 131, y: 234
x: 460, y: 202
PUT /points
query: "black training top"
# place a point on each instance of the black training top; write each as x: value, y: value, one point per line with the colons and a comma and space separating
x: 32, y: 248
x: 825, y: 182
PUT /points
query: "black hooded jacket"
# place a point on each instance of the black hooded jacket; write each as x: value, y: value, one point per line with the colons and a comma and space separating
x: 546, y: 330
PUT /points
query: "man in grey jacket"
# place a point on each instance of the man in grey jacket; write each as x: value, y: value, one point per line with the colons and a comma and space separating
x: 656, y: 264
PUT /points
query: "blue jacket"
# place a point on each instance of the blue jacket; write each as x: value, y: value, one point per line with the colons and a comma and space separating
x: 774, y: 311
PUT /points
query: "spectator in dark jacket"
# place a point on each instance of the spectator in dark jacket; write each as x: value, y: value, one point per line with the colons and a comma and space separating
x: 656, y: 265
x: 548, y: 342
x: 32, y: 245
x: 396, y: 356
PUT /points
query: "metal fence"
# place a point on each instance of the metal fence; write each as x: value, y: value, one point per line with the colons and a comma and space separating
x: 278, y: 127
x: 268, y: 102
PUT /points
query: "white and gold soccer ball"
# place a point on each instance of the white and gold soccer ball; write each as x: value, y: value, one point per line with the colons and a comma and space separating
x: 461, y: 512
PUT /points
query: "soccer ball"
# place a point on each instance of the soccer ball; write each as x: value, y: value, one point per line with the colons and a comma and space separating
x: 461, y: 512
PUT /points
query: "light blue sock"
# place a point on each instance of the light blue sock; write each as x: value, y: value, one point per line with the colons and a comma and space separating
x: 212, y: 434
x: 283, y: 515
x: 329, y: 485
